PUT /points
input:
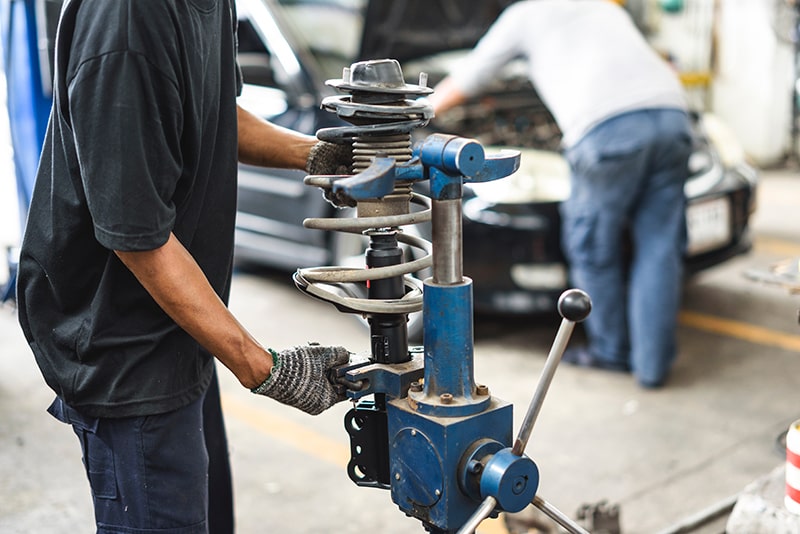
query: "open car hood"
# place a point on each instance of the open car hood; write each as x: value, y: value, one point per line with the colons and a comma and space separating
x: 410, y: 29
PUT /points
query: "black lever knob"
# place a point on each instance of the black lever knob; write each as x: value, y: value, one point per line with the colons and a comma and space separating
x: 574, y: 305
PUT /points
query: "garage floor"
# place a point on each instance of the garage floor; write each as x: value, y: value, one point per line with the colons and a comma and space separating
x: 660, y: 455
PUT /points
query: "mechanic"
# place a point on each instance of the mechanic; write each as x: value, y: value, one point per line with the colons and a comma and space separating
x: 126, y: 261
x: 627, y: 138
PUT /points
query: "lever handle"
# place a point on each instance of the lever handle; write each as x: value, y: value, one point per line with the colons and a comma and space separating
x: 574, y: 306
x: 555, y: 514
x: 488, y: 504
x: 483, y: 511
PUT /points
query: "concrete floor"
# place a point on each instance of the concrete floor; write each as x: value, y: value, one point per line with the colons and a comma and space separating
x: 660, y: 455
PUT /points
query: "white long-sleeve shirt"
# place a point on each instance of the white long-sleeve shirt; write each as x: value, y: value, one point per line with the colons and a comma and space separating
x: 586, y: 58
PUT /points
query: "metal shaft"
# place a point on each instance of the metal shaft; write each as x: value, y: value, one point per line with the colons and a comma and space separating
x: 555, y: 514
x: 550, y: 365
x: 483, y: 511
x: 447, y: 248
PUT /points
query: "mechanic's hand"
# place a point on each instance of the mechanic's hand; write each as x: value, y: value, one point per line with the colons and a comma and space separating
x: 299, y: 377
x: 329, y: 158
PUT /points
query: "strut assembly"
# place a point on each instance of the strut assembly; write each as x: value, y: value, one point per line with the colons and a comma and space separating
x: 441, y: 443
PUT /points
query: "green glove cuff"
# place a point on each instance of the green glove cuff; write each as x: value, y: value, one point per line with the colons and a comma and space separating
x: 275, y: 360
x: 262, y: 388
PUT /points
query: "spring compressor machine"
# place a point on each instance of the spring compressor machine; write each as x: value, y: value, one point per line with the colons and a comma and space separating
x: 441, y: 443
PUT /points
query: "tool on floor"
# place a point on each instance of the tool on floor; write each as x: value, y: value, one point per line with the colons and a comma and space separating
x: 600, y: 517
x: 439, y: 441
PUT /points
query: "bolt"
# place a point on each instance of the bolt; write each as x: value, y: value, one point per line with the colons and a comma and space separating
x: 413, y: 432
x: 446, y: 398
x: 474, y: 467
x: 423, y: 79
x: 437, y: 492
x: 481, y: 389
x: 415, y: 386
x: 397, y: 476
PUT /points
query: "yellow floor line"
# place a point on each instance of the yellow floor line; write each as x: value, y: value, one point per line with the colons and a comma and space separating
x: 293, y: 434
x: 739, y: 330
x: 779, y: 247
x: 311, y: 443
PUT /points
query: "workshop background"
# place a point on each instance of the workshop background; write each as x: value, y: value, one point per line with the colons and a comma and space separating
x: 705, y: 454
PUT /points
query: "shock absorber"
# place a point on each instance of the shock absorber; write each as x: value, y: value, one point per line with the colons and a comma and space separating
x: 379, y: 105
x: 383, y: 111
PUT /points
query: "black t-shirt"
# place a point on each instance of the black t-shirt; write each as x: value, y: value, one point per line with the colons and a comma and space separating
x: 142, y: 141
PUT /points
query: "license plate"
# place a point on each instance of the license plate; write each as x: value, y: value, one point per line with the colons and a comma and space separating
x: 708, y: 224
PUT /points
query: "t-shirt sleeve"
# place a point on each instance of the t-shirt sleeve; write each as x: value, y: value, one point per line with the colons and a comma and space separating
x: 501, y: 43
x: 126, y: 120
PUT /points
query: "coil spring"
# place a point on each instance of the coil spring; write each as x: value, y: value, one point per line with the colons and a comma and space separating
x: 326, y: 282
x: 381, y: 126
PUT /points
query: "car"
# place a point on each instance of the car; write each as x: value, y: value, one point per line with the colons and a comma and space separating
x: 288, y: 49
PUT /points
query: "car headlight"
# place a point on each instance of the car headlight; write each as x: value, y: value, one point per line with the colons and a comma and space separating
x: 700, y: 162
x: 543, y: 176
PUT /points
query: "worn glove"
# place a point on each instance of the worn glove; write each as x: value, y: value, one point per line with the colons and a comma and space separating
x: 299, y: 377
x: 329, y: 158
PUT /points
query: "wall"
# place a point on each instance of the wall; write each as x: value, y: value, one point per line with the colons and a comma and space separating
x: 745, y: 46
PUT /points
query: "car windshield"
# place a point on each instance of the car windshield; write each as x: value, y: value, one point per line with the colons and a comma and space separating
x: 330, y: 29
x: 339, y: 32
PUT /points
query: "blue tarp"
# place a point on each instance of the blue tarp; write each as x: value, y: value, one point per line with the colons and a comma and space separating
x: 24, y: 60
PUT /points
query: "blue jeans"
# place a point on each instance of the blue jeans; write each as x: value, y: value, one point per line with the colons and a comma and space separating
x: 165, y: 473
x: 628, y: 175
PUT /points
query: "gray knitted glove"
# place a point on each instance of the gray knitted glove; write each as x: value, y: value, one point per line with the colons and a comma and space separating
x: 329, y: 158
x: 299, y: 377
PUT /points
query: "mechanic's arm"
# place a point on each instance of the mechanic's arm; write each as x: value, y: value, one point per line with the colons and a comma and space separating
x: 269, y: 145
x: 296, y: 376
x: 446, y: 95
x: 179, y: 286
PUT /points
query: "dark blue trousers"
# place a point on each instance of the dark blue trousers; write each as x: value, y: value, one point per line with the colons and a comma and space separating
x: 167, y: 473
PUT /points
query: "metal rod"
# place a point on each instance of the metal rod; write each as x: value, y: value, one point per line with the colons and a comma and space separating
x: 550, y: 365
x: 447, y: 253
x: 555, y: 514
x: 483, y: 511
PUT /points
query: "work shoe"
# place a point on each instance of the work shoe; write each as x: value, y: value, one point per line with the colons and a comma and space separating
x: 582, y: 357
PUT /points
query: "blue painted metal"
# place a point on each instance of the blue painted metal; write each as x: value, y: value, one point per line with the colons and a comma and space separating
x: 449, y: 384
x: 503, y: 163
x: 375, y: 182
x: 444, y: 431
x: 28, y: 102
x: 427, y: 459
x: 393, y: 380
x: 457, y: 156
x: 29, y: 96
x: 511, y: 479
